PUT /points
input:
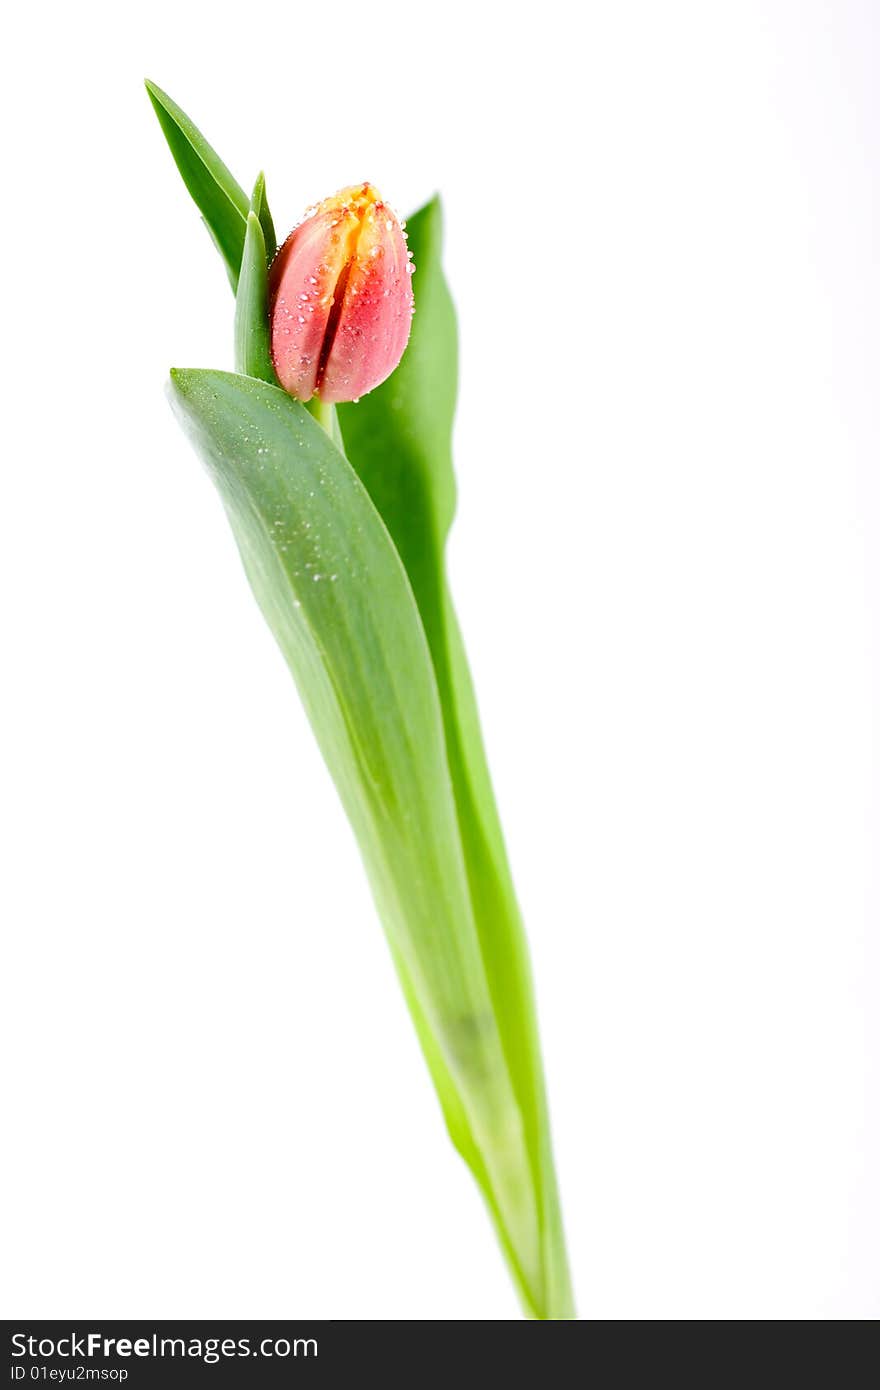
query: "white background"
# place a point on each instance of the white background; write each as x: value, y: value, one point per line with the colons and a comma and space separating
x: 662, y: 238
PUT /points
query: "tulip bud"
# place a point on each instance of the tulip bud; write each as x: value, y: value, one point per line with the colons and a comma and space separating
x: 340, y: 298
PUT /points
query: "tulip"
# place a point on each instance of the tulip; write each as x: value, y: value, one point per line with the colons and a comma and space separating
x: 340, y: 298
x: 342, y: 523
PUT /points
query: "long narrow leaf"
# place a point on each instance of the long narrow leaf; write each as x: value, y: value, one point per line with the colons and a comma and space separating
x: 335, y: 593
x: 399, y: 440
x: 253, y: 356
x: 220, y: 199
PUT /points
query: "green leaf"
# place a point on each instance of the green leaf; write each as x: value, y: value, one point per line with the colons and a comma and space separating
x: 222, y: 202
x: 253, y: 355
x: 399, y: 440
x: 332, y: 587
x: 399, y: 437
x: 260, y: 206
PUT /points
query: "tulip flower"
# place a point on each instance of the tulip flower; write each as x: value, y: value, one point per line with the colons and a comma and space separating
x: 340, y: 298
x: 340, y: 512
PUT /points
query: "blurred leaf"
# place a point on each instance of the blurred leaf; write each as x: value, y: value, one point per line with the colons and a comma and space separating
x: 253, y: 356
x: 221, y: 201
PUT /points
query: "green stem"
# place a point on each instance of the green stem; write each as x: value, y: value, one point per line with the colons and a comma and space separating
x: 325, y: 414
